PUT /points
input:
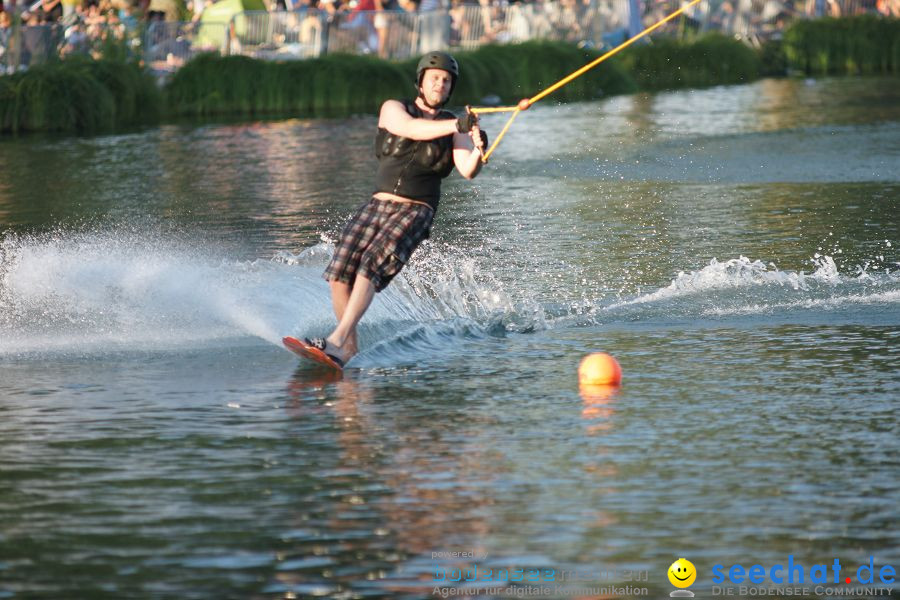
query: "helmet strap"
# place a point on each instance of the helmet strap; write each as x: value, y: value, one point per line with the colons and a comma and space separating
x: 429, y: 104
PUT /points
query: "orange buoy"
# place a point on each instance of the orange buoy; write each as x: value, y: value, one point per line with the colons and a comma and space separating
x: 524, y: 104
x: 599, y: 368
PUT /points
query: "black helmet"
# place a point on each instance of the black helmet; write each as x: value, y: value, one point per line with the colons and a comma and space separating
x: 438, y: 60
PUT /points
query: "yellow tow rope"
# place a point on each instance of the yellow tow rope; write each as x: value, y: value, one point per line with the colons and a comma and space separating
x: 526, y: 103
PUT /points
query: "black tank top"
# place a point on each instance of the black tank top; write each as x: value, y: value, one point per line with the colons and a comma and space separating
x: 413, y: 168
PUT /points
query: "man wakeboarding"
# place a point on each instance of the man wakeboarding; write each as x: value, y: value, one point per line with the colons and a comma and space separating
x: 418, y: 143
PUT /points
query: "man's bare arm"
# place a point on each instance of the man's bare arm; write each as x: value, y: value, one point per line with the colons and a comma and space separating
x: 395, y: 119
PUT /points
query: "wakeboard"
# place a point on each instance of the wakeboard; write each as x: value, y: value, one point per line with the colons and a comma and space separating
x: 304, y: 350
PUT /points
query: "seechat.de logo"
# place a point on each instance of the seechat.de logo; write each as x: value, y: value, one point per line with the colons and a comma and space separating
x: 792, y: 572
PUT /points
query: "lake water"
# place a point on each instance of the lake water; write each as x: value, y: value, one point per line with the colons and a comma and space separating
x: 735, y: 248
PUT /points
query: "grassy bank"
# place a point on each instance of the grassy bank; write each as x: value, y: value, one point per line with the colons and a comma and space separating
x: 336, y: 84
x: 78, y: 95
x: 848, y: 46
x: 712, y: 59
x: 345, y: 84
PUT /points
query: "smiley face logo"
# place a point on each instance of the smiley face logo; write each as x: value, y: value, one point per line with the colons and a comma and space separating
x: 682, y: 573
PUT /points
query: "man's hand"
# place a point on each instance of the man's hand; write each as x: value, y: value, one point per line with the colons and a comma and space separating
x: 467, y: 122
x: 479, y: 138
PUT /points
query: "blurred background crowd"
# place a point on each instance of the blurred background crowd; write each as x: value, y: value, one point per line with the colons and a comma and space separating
x: 165, y: 33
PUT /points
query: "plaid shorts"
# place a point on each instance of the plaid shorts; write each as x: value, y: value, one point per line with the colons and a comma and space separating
x: 378, y: 241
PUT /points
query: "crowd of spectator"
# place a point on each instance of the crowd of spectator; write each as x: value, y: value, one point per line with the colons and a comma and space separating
x: 381, y: 27
x: 394, y: 28
x: 476, y: 22
x: 400, y: 28
x: 65, y: 27
x: 761, y: 16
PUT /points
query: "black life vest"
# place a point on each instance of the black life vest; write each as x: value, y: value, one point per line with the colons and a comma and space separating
x: 413, y: 168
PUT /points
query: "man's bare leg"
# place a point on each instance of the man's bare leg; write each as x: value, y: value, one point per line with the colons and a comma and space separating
x: 360, y: 298
x: 340, y: 296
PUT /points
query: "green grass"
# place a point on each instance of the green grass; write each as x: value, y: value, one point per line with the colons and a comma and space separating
x: 849, y: 46
x: 712, y: 59
x: 85, y: 96
x: 773, y: 59
x: 78, y: 95
x: 335, y: 84
x: 523, y: 70
x: 342, y: 84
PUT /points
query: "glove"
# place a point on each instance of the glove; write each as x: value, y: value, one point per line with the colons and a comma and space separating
x: 466, y: 122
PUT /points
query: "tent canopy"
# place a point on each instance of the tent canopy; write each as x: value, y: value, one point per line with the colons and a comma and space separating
x: 216, y: 18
